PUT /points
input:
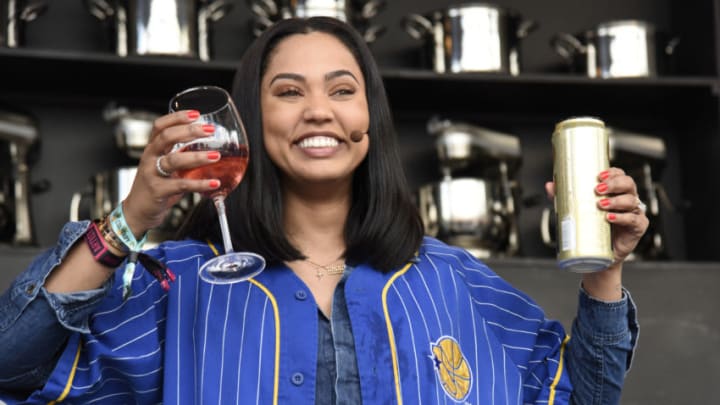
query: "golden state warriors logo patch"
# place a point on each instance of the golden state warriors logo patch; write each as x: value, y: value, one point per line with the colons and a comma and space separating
x: 451, y: 368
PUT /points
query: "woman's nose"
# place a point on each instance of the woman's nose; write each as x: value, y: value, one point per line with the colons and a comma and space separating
x: 317, y: 109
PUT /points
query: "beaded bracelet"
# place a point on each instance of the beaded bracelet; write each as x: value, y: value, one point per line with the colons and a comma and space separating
x: 99, y: 249
x: 110, y: 237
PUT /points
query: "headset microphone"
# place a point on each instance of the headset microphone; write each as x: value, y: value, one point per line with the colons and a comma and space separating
x: 357, y: 136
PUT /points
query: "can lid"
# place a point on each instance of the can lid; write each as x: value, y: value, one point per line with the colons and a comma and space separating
x: 579, y: 121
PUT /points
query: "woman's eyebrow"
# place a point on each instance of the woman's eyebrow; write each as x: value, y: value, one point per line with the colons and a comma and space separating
x: 291, y: 76
x: 338, y: 73
x: 328, y: 76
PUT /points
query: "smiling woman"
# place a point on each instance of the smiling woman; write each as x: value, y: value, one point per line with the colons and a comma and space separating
x: 355, y: 306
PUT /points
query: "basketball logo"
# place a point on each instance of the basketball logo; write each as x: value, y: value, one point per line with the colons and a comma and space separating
x: 452, y: 368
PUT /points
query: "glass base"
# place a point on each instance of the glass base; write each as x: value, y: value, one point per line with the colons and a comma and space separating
x: 232, y: 268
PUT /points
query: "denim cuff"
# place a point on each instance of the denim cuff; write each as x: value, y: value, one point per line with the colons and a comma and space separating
x: 605, y: 322
x: 72, y: 310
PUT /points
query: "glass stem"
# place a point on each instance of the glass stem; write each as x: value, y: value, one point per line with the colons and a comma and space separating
x: 224, y: 228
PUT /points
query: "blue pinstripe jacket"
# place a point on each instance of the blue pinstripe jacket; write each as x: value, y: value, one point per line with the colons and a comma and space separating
x: 443, y: 329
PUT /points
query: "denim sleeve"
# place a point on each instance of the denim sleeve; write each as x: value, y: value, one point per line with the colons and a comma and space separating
x: 601, y: 347
x: 34, y: 324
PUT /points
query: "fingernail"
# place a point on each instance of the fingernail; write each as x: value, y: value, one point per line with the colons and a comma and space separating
x: 601, y: 188
x: 605, y: 202
x: 208, y: 128
x: 193, y: 114
x: 214, y: 183
x: 611, y: 217
x: 213, y: 155
x: 604, y: 174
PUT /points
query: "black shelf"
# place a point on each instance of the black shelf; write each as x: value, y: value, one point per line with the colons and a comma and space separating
x: 86, y: 74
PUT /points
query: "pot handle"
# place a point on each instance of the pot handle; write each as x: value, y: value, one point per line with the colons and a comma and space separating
x: 265, y: 8
x: 671, y: 45
x: 101, y: 9
x: 216, y: 10
x: 33, y: 11
x: 566, y: 45
x: 373, y: 32
x: 372, y: 8
x: 525, y: 28
x: 260, y: 24
x: 547, y: 238
x: 417, y: 26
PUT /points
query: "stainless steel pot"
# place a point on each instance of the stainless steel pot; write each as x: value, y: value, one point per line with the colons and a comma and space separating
x: 468, y: 212
x: 14, y: 14
x: 160, y: 27
x: 471, y: 37
x: 109, y: 188
x: 20, y: 132
x: 623, y: 48
x: 356, y: 13
x: 132, y: 128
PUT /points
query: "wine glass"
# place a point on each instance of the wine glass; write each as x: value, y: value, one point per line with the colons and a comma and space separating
x: 217, y: 108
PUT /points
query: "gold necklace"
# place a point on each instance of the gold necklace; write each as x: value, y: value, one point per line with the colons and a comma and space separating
x: 329, y: 270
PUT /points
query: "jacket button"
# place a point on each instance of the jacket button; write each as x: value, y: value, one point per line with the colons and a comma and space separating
x: 297, y: 378
x: 301, y: 295
x: 30, y: 289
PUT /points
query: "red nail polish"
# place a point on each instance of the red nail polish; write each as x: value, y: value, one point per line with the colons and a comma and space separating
x: 611, y: 217
x: 214, y: 183
x: 193, y: 114
x: 208, y: 128
x: 604, y: 174
x: 601, y: 188
x: 213, y: 155
x: 605, y: 202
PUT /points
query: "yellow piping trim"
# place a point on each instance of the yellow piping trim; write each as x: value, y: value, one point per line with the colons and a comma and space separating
x: 68, y: 385
x: 391, y: 334
x: 276, y: 383
x: 276, y: 312
x: 558, y: 373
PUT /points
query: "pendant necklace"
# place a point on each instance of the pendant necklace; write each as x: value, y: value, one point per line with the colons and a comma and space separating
x: 328, y: 270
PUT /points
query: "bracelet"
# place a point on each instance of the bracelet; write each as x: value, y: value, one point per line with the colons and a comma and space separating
x: 120, y: 227
x: 110, y: 237
x: 100, y: 251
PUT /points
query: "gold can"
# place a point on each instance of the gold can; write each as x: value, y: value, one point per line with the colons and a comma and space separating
x: 580, y: 153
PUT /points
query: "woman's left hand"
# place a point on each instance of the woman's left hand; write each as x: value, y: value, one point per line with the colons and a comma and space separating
x: 626, y: 214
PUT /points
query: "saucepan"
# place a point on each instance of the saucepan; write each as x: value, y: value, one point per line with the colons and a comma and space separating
x: 358, y: 13
x: 465, y: 210
x: 471, y: 37
x: 160, y: 27
x: 108, y: 188
x: 14, y: 14
x: 132, y: 128
x: 621, y: 48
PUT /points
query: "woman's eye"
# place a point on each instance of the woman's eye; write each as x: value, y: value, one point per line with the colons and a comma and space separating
x: 344, y: 92
x: 289, y: 93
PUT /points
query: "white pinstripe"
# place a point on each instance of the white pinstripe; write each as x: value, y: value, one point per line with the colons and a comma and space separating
x: 442, y: 292
x: 492, y: 359
x: 262, y: 333
x: 412, y: 339
x: 222, y: 358
x: 242, y: 344
x: 204, y: 344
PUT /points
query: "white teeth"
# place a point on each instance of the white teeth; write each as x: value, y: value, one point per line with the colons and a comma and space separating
x: 318, y: 142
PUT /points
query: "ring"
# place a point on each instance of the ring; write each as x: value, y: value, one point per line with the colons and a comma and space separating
x: 641, y: 205
x: 159, y: 168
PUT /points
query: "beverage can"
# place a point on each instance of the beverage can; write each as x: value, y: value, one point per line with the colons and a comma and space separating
x: 580, y: 153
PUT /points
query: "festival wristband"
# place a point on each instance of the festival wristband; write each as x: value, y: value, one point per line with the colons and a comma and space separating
x: 122, y: 230
x: 100, y: 251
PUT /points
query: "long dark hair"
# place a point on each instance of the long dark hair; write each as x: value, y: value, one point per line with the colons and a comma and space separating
x: 383, y: 227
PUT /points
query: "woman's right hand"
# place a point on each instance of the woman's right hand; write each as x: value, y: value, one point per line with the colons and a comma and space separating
x: 153, y: 193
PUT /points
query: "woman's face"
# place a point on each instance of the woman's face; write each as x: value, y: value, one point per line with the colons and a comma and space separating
x: 312, y: 99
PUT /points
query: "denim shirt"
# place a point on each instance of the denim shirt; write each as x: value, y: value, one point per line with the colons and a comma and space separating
x: 604, y: 336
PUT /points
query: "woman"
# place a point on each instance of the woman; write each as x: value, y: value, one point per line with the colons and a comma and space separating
x: 355, y: 305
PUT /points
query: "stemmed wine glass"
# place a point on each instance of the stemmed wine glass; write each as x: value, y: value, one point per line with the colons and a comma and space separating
x: 217, y: 108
